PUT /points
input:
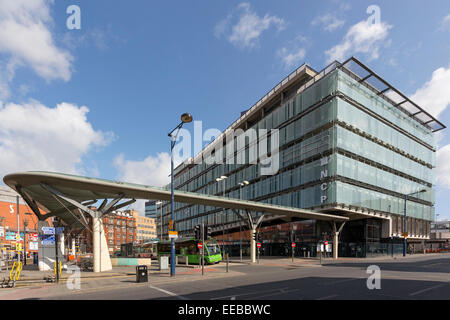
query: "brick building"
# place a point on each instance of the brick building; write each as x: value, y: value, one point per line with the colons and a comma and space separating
x: 119, y: 228
x: 8, y: 222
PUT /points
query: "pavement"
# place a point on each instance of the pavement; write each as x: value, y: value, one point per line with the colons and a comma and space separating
x: 411, y: 277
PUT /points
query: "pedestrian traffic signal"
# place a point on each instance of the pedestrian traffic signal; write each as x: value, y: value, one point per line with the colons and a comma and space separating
x: 197, y: 232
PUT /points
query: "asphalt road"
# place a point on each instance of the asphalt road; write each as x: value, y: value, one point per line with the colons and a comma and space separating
x: 424, y: 277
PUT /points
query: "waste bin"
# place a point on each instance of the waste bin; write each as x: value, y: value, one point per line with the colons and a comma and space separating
x: 141, y: 274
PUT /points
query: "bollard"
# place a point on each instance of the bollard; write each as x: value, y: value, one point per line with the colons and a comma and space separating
x: 187, y: 261
x: 227, y: 261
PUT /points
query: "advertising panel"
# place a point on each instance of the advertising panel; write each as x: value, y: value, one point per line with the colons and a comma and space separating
x: 33, y: 245
x: 33, y: 237
x: 12, y: 236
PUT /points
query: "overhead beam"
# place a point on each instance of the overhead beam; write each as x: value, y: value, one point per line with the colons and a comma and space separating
x: 60, y: 195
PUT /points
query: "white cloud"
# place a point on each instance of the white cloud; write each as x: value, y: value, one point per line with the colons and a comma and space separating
x: 445, y: 23
x: 36, y: 137
x: 434, y: 95
x: 26, y: 40
x: 328, y: 22
x: 249, y: 27
x: 363, y: 37
x: 291, y: 58
x: 152, y: 171
x: 442, y: 170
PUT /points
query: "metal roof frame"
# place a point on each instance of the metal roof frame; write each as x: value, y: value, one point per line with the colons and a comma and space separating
x: 390, y: 94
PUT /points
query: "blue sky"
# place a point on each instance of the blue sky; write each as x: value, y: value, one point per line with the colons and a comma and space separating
x: 100, y: 101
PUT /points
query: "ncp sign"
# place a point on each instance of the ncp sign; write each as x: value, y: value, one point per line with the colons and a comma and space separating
x: 323, y: 175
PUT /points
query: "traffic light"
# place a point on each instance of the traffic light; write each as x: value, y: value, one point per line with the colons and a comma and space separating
x: 254, y: 236
x: 197, y: 232
x: 208, y: 231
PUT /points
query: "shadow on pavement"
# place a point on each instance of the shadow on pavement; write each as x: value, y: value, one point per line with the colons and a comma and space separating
x: 313, y: 288
x: 435, y: 265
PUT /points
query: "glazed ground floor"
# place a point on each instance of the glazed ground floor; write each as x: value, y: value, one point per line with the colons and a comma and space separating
x: 358, y: 238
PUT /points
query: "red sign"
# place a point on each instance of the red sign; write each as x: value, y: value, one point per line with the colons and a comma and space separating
x: 293, y: 244
x: 326, y: 243
x: 200, y: 245
x: 258, y: 245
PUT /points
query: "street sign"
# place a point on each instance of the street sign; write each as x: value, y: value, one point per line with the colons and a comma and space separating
x: 19, y: 247
x: 33, y: 237
x: 258, y: 245
x: 173, y: 234
x: 293, y: 244
x: 48, y: 230
x: 48, y: 240
x: 33, y: 245
x: 200, y: 245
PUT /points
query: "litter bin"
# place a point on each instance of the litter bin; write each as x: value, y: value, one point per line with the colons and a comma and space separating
x: 141, y: 274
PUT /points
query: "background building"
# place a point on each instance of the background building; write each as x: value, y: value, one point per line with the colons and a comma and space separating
x: 151, y: 209
x: 8, y: 222
x: 145, y: 227
x: 119, y: 228
x: 349, y: 143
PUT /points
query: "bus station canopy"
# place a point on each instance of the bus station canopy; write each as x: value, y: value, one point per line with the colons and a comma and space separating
x: 54, y: 194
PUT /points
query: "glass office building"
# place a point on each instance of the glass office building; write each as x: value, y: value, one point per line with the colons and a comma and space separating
x: 349, y: 144
x: 150, y: 209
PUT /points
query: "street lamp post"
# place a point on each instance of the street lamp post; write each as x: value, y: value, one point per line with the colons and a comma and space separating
x: 241, y: 184
x: 222, y: 178
x: 404, y: 219
x: 185, y: 118
x: 160, y: 218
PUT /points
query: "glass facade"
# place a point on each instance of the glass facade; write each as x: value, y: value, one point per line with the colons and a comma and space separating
x: 340, y: 144
x: 150, y: 209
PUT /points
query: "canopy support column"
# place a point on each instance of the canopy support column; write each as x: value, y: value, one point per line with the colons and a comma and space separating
x: 102, y: 261
x: 253, y: 226
x: 336, y: 232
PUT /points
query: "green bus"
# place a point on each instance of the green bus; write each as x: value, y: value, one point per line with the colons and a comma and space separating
x: 188, y: 248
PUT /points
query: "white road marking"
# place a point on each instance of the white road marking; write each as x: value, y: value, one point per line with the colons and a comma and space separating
x: 329, y: 283
x: 247, y: 293
x: 328, y: 297
x: 427, y: 289
x: 168, y: 293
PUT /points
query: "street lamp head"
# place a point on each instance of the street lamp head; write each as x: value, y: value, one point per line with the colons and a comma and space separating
x: 423, y: 190
x: 186, y: 117
x: 245, y: 182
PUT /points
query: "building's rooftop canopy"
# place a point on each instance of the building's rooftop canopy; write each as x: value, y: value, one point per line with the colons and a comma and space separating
x: 50, y: 193
x: 309, y: 76
x: 382, y: 88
